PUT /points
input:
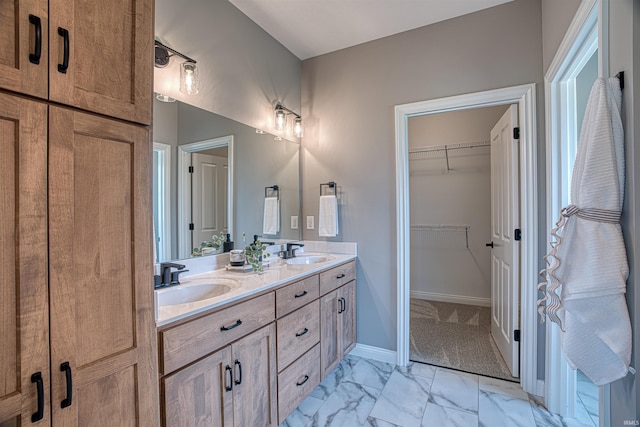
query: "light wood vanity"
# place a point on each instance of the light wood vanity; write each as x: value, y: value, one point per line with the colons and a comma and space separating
x: 251, y: 362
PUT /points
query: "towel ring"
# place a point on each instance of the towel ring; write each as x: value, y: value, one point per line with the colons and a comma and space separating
x: 274, y: 189
x: 330, y: 185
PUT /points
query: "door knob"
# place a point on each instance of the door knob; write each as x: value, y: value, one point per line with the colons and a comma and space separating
x: 489, y: 244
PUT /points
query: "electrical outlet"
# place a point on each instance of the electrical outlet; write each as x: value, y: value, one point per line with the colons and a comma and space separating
x: 294, y: 222
x: 310, y: 222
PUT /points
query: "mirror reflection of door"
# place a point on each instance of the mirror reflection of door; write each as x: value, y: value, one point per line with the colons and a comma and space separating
x: 209, y: 195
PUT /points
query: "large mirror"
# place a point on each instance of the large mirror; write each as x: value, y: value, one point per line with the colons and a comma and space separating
x: 213, y: 175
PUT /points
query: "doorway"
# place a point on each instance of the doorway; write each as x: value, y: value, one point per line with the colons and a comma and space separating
x: 524, y: 97
x: 455, y: 255
x: 205, y: 189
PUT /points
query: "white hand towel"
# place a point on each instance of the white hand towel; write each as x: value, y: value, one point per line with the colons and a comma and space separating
x: 328, y: 217
x: 271, y: 223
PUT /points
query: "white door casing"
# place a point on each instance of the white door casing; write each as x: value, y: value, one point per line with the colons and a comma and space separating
x: 505, y: 251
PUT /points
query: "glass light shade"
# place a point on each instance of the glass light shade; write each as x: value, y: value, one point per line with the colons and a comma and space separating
x: 189, y: 78
x: 280, y: 119
x: 297, y: 127
x: 164, y: 98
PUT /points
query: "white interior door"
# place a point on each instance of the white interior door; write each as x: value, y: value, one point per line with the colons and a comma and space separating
x: 505, y: 253
x: 209, y: 197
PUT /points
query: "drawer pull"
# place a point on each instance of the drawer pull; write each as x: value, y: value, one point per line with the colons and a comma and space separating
x: 304, y: 380
x: 299, y: 334
x: 37, y: 378
x: 238, y: 380
x: 300, y: 295
x: 229, y: 371
x: 235, y: 325
x: 66, y: 368
x: 340, y: 276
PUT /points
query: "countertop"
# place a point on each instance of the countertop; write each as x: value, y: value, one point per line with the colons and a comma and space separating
x: 243, y: 285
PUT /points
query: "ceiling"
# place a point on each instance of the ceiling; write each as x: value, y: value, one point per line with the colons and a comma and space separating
x: 310, y: 28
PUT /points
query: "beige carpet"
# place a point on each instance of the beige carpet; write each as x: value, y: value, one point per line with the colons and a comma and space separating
x: 455, y: 336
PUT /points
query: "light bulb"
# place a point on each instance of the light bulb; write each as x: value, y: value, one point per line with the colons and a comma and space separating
x: 189, y: 78
x: 280, y: 119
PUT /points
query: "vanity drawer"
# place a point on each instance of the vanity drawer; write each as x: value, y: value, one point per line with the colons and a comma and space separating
x: 297, y: 333
x: 336, y: 277
x: 296, y: 295
x: 298, y: 381
x: 190, y: 341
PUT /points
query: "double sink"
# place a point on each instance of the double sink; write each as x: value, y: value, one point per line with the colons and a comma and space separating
x: 196, y: 290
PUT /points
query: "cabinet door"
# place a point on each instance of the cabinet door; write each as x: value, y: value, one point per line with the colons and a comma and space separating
x: 101, y: 298
x: 347, y: 318
x: 24, y: 311
x: 23, y: 68
x: 254, y: 389
x: 330, y: 354
x: 109, y: 56
x: 200, y: 395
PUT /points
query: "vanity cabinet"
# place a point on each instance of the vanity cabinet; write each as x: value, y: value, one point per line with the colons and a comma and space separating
x: 77, y: 237
x: 337, y: 316
x: 96, y: 56
x: 234, y: 386
x: 227, y: 360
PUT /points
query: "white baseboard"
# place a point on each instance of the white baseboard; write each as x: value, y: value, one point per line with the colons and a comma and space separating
x: 539, y: 388
x: 457, y: 299
x: 374, y: 353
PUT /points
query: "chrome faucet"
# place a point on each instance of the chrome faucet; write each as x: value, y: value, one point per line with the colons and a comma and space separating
x: 168, y: 277
x: 290, y: 251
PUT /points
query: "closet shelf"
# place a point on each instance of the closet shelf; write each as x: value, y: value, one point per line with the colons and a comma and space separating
x: 422, y: 153
x: 442, y: 227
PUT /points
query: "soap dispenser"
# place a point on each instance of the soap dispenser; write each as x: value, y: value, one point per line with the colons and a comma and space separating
x: 227, y: 245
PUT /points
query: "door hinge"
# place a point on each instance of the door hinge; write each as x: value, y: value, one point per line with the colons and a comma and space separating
x: 517, y: 235
x: 190, y: 169
x: 191, y: 227
x: 516, y: 335
x: 516, y: 133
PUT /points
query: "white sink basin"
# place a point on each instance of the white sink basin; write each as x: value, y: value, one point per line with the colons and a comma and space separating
x: 308, y: 259
x: 184, y: 294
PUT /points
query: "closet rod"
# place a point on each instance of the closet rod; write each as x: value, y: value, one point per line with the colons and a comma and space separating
x: 447, y: 147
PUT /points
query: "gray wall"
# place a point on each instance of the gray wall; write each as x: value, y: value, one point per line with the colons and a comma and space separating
x: 243, y: 70
x: 442, y: 267
x: 556, y: 18
x: 348, y: 103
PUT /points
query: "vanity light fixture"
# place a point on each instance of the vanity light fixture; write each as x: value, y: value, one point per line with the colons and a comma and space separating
x: 280, y: 119
x: 188, y: 70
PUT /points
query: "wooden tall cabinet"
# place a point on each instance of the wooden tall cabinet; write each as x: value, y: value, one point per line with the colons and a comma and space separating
x: 93, y: 55
x: 77, y: 331
x: 24, y: 303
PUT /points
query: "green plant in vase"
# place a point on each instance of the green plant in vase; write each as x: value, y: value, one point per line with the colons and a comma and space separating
x: 213, y: 246
x: 255, y: 252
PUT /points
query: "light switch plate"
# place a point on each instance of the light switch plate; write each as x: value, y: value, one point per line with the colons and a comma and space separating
x: 310, y: 222
x: 294, y: 222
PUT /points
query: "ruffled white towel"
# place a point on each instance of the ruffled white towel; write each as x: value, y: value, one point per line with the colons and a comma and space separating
x: 271, y: 222
x: 328, y: 217
x: 587, y: 265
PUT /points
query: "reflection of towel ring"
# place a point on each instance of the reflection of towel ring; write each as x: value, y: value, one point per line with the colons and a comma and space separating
x: 330, y: 185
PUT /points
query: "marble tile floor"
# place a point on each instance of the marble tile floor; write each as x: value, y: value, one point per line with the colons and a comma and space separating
x: 363, y: 392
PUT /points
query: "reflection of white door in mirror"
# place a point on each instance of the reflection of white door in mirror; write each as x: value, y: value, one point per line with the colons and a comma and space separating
x: 209, y: 197
x: 186, y: 214
x: 161, y: 201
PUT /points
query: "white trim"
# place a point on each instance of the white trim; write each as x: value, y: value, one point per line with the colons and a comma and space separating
x: 184, y: 187
x: 585, y: 34
x: 164, y: 199
x: 456, y: 299
x: 374, y: 353
x: 524, y: 96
